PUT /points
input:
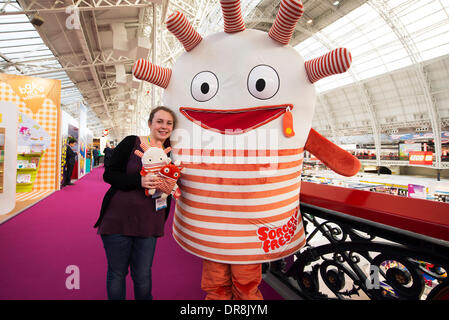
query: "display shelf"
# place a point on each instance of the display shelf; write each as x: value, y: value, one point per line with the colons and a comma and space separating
x: 36, y: 154
x: 27, y: 187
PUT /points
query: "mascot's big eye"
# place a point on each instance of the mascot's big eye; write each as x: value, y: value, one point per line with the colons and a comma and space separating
x: 176, y: 175
x: 166, y: 170
x: 263, y: 82
x: 204, y: 86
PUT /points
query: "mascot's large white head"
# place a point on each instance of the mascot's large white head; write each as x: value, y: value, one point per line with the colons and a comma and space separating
x: 238, y: 94
x: 238, y: 80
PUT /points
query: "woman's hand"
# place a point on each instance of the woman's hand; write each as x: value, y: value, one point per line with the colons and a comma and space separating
x: 150, y: 181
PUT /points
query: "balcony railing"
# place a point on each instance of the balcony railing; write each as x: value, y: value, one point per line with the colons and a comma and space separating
x: 365, y: 245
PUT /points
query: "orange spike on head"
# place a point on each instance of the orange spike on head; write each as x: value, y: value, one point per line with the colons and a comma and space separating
x: 146, y: 71
x: 181, y: 28
x: 232, y: 16
x: 337, y: 61
x: 284, y: 25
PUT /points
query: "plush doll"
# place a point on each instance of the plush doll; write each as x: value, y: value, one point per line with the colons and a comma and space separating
x: 156, y: 162
x: 170, y: 174
x: 154, y: 158
x: 245, y: 101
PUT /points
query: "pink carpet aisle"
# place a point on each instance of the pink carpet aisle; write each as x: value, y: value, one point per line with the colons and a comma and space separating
x: 38, y: 245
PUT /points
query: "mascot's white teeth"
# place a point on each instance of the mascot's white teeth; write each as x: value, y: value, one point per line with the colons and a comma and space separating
x: 234, y: 121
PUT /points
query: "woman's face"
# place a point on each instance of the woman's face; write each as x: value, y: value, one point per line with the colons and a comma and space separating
x: 162, y: 125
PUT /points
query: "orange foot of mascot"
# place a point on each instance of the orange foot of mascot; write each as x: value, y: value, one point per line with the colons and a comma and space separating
x: 223, y: 281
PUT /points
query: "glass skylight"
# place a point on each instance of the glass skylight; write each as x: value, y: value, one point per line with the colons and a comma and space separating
x: 375, y: 47
x: 23, y: 52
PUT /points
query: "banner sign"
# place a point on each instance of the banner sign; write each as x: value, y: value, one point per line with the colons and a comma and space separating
x: 420, y: 157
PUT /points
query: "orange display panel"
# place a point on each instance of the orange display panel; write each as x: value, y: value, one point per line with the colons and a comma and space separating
x: 40, y: 100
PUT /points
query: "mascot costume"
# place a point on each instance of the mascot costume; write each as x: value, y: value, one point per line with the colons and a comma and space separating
x: 245, y: 101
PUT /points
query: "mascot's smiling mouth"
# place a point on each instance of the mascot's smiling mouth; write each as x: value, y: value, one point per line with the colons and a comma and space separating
x: 234, y: 121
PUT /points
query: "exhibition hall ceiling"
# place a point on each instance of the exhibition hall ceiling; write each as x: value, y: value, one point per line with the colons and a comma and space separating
x: 397, y: 82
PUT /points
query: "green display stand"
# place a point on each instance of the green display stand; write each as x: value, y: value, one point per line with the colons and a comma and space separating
x: 27, y: 187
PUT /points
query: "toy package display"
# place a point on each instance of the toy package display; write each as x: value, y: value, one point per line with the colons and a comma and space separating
x: 245, y: 101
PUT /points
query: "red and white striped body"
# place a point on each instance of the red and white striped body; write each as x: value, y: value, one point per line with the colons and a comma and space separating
x: 239, y: 206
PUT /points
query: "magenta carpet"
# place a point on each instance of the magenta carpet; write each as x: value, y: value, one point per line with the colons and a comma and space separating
x: 38, y: 245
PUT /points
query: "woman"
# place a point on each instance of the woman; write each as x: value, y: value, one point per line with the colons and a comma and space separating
x: 129, y: 223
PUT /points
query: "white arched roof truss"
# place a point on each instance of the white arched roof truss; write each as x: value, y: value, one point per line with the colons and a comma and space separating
x: 364, y: 97
x: 393, y: 43
x: 389, y: 15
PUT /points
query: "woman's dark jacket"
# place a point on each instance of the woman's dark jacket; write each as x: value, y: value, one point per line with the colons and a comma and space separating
x: 115, y: 175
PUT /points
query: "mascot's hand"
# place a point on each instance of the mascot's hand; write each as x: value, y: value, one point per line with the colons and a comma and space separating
x: 337, y: 159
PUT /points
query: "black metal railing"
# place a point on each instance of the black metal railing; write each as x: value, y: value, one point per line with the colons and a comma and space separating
x: 352, y: 258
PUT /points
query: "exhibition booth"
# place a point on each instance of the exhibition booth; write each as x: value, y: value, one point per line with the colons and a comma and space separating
x: 37, y: 105
x: 77, y: 128
x: 33, y: 136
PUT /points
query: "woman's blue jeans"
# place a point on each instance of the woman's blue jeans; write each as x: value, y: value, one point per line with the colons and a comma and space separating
x: 134, y: 252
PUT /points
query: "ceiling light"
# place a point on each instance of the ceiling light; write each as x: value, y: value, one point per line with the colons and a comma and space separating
x: 309, y: 21
x: 336, y: 3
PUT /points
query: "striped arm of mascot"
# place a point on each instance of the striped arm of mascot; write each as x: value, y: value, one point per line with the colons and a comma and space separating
x: 248, y: 84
